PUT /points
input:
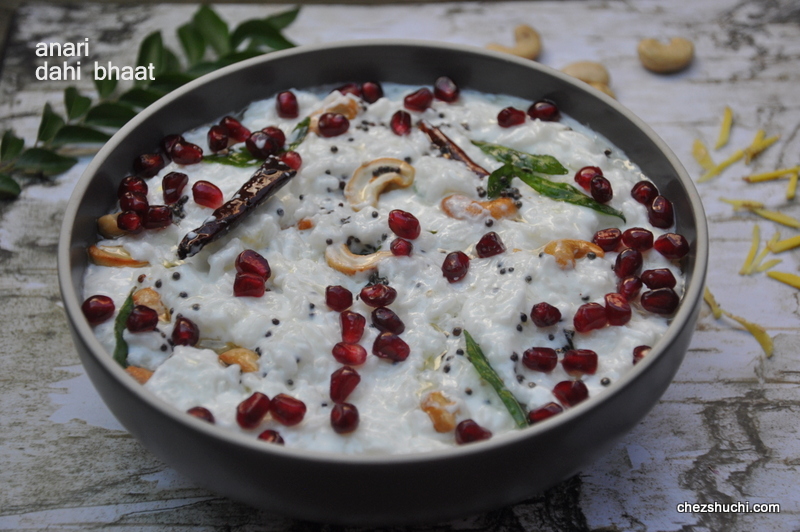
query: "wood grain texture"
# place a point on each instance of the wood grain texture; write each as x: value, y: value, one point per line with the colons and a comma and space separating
x: 725, y: 431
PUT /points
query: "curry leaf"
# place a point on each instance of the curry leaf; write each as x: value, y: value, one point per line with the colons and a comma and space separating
x: 10, y: 146
x: 75, y: 104
x: 105, y: 87
x: 192, y: 42
x: 213, y: 29
x: 300, y: 132
x: 169, y: 81
x: 543, y: 164
x: 121, y: 347
x: 49, y: 125
x: 74, y: 134
x: 9, y: 189
x: 109, y: 114
x: 241, y: 159
x: 282, y: 20
x: 261, y: 31
x: 43, y: 161
x: 140, y: 97
x: 151, y: 52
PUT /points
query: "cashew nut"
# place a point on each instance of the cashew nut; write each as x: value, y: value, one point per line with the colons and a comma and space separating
x: 114, y: 256
x: 464, y: 208
x: 141, y: 375
x: 341, y: 259
x: 666, y: 58
x: 247, y: 359
x: 588, y: 72
x: 373, y: 178
x: 566, y: 251
x: 341, y: 104
x: 435, y: 405
x: 528, y: 44
x: 604, y: 88
x: 150, y: 298
x: 107, y: 226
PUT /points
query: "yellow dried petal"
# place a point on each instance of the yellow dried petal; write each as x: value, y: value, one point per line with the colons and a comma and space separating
x: 708, y: 297
x: 786, y: 278
x: 755, y: 149
x: 758, y: 332
x: 769, y: 176
x: 778, y: 217
x: 743, y: 204
x: 748, y: 261
x: 768, y: 265
x: 725, y: 128
x: 737, y: 155
x: 791, y: 188
x: 701, y: 155
x: 785, y: 244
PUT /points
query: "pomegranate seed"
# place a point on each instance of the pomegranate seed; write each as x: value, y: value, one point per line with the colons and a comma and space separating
x: 618, y: 311
x: 343, y: 381
x: 98, y: 309
x: 585, y: 175
x: 629, y: 287
x: 157, y: 217
x: 600, y: 187
x: 352, y: 326
x: 271, y: 436
x: 445, y: 89
x: 251, y: 411
x: 391, y: 346
x: 455, y: 266
x: 142, y: 319
x: 404, y: 224
x: 291, y: 159
x: 659, y: 278
x: 250, y: 261
x: 644, y: 192
x: 638, y: 238
x: 378, y: 295
x: 579, y: 362
x: 540, y: 359
x: 608, y: 239
x: 185, y: 332
x: 672, y: 246
x: 130, y: 222
x: 468, y: 431
x: 350, y: 354
x: 400, y: 247
x: 261, y: 145
x: 169, y: 141
x: 590, y: 316
x: 371, y: 91
x: 628, y: 262
x: 173, y: 184
x: 236, y: 131
x: 540, y: 414
x: 385, y: 320
x: 544, y: 110
x: 248, y: 285
x: 287, y: 410
x: 201, y: 412
x: 660, y: 212
x: 418, y: 100
x: 401, y: 123
x: 132, y: 184
x: 570, y: 393
x: 148, y: 164
x: 207, y: 194
x: 544, y: 315
x: 660, y: 301
x: 344, y: 418
x: 134, y: 201
x: 217, y: 138
x: 286, y: 105
x: 276, y: 133
x: 510, y: 117
x: 640, y: 352
x: 186, y: 153
x: 338, y: 298
x: 350, y: 88
x: 489, y: 245
x: 332, y: 125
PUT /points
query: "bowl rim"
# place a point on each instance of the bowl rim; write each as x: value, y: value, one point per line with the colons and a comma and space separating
x: 692, y: 292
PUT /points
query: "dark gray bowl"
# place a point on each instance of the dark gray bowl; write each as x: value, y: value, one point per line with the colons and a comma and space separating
x: 392, y: 489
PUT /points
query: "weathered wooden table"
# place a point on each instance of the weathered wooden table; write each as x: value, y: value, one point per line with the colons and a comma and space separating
x: 726, y: 430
